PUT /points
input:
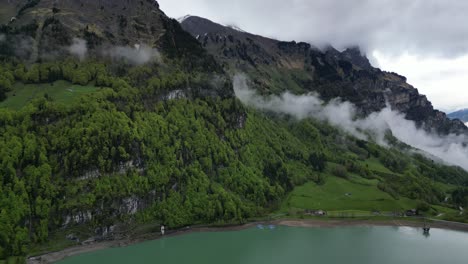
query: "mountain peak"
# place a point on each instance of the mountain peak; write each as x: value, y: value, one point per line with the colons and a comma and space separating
x: 182, y: 19
x: 357, y: 57
x: 199, y: 26
x: 236, y: 28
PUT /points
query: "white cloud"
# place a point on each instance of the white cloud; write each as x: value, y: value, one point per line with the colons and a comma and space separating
x: 419, y: 26
x: 422, y: 28
x: 79, y: 48
x: 443, y: 80
x: 450, y: 149
x: 139, y: 54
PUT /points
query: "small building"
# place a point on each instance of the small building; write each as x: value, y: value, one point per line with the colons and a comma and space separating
x: 315, y: 212
x: 412, y: 212
x: 320, y: 213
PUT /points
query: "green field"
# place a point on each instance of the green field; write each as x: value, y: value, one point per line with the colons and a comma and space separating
x: 375, y: 165
x: 59, y: 91
x: 339, y: 194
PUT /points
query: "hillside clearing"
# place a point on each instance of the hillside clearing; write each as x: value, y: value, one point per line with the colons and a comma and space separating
x: 59, y: 91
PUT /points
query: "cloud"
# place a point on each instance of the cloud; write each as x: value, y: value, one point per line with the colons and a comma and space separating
x: 443, y: 80
x: 422, y: 28
x: 79, y: 48
x: 22, y: 46
x: 451, y: 149
x: 140, y: 54
x: 418, y: 26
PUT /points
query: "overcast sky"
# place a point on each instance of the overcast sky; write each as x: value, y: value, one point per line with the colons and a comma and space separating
x: 425, y: 40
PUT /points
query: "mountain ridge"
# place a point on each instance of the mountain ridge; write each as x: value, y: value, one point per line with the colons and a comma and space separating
x: 304, y: 68
x: 460, y: 114
x: 95, y: 147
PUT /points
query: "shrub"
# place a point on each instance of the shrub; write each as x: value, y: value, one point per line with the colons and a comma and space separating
x: 340, y: 171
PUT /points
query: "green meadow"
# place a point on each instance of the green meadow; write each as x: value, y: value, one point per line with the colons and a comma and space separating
x: 355, y: 195
x: 59, y: 91
x: 338, y: 194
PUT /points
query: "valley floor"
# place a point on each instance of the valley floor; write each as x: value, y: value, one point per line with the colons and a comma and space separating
x: 309, y: 223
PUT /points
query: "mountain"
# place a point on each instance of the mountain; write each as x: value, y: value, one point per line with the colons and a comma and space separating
x: 299, y: 67
x: 115, y: 121
x: 461, y: 115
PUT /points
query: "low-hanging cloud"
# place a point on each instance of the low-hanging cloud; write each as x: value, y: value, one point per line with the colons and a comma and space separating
x: 137, y: 55
x: 451, y: 149
x: 79, y: 48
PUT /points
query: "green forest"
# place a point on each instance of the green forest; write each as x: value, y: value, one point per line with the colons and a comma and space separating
x: 193, y: 159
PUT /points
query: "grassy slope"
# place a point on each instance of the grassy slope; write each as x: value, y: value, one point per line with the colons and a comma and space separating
x: 60, y: 91
x: 355, y: 195
x: 339, y: 194
x: 375, y: 165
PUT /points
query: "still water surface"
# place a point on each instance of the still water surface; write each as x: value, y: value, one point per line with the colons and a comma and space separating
x: 294, y: 245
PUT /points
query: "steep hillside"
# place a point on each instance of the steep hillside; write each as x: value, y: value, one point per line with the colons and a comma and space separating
x: 276, y: 66
x: 112, y: 129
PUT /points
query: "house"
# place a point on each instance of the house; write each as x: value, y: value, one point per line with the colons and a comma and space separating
x: 315, y: 212
x: 320, y: 213
x: 412, y: 212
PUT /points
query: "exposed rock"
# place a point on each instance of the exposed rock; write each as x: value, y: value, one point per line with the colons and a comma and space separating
x: 302, y: 68
x: 130, y: 205
x: 89, y: 175
x: 78, y: 218
x: 72, y: 237
x: 241, y: 119
x: 105, y: 231
x: 176, y: 94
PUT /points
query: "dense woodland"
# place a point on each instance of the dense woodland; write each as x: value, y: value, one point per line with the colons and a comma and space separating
x: 188, y: 160
x: 166, y: 142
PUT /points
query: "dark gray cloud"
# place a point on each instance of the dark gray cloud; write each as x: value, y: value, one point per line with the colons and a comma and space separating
x: 424, y: 27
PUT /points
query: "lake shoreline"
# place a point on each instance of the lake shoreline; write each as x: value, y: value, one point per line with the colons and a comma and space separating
x: 52, y: 257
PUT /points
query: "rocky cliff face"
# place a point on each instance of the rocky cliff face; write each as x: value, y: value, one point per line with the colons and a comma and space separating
x: 47, y: 30
x: 44, y: 28
x: 119, y: 22
x: 275, y: 66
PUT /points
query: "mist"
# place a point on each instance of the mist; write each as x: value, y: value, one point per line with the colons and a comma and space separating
x: 79, y: 48
x: 2, y: 37
x: 137, y: 55
x: 450, y: 149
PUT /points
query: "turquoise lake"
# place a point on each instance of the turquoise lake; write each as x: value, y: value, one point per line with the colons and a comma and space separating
x: 280, y: 245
